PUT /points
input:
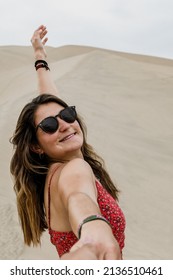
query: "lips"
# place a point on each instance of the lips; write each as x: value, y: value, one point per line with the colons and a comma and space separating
x: 67, y: 137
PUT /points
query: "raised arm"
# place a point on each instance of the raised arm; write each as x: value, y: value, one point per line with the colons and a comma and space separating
x: 45, y: 81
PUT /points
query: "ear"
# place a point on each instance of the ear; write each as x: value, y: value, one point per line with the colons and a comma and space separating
x: 36, y: 149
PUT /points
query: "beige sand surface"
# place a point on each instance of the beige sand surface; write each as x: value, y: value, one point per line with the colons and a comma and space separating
x: 127, y: 102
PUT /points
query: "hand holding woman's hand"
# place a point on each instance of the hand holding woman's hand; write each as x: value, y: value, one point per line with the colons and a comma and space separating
x: 100, y: 245
x: 38, y: 41
x: 86, y: 252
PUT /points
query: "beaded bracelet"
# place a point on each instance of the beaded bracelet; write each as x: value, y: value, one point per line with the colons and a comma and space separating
x: 41, y: 61
x: 41, y: 64
x: 89, y: 219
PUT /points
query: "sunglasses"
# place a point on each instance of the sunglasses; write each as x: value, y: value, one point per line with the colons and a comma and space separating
x: 51, y: 124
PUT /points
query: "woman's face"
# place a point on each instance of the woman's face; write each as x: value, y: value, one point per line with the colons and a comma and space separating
x: 63, y: 144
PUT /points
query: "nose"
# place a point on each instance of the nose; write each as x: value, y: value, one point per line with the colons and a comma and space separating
x: 63, y: 125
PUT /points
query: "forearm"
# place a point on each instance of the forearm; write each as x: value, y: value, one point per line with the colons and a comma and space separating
x: 45, y: 81
x: 80, y: 206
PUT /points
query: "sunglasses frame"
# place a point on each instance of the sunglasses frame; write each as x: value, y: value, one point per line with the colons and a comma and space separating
x: 55, y: 118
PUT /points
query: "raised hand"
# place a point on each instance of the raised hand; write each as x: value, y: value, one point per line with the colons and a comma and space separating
x: 38, y: 41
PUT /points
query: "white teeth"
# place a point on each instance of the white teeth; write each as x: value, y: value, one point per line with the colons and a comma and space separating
x: 68, y: 137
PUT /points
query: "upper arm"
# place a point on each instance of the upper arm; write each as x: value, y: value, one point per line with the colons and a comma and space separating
x: 45, y: 82
x: 77, y: 178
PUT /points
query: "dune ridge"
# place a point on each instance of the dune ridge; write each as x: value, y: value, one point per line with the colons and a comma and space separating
x: 126, y: 101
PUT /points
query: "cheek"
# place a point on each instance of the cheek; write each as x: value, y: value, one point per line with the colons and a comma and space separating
x: 77, y: 126
x: 80, y: 132
x: 46, y: 140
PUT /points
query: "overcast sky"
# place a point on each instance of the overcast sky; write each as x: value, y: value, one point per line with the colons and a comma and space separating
x: 135, y: 26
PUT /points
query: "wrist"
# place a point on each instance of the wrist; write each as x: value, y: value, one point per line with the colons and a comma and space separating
x: 90, y: 221
x: 40, y: 63
x: 40, y: 55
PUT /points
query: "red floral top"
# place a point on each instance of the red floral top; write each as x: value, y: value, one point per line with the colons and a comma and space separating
x: 109, y: 208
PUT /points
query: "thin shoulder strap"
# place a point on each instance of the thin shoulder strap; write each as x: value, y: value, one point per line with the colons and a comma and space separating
x: 49, y: 196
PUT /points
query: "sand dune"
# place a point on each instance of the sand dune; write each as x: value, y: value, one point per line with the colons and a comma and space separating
x: 127, y: 103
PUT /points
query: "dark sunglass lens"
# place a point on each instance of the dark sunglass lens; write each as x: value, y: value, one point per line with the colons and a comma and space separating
x: 49, y: 125
x: 68, y: 114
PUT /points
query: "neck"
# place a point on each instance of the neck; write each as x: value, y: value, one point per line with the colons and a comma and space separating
x: 69, y: 157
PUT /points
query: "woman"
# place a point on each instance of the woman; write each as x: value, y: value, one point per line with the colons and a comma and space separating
x: 60, y: 182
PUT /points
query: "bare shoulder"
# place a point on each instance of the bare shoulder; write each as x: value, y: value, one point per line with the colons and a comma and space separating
x: 76, y: 170
x: 61, y: 173
x: 78, y: 166
x: 77, y: 176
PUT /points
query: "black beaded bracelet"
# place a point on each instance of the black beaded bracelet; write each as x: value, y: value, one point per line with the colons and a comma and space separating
x: 41, y: 64
x: 41, y: 61
x: 89, y: 219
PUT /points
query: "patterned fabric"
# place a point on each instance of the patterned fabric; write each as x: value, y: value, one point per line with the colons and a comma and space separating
x: 109, y: 208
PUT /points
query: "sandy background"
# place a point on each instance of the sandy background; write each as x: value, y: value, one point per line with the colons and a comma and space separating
x: 127, y: 103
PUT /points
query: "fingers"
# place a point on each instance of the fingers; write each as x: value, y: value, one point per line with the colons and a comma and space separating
x: 39, y: 34
x: 86, y: 252
x: 42, y: 31
x: 44, y: 41
x: 112, y: 256
x: 40, y: 27
x: 113, y: 253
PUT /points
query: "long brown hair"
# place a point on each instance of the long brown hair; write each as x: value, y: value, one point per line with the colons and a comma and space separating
x: 29, y: 170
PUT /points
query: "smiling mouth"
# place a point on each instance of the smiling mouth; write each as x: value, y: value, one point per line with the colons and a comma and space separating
x: 68, y: 137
